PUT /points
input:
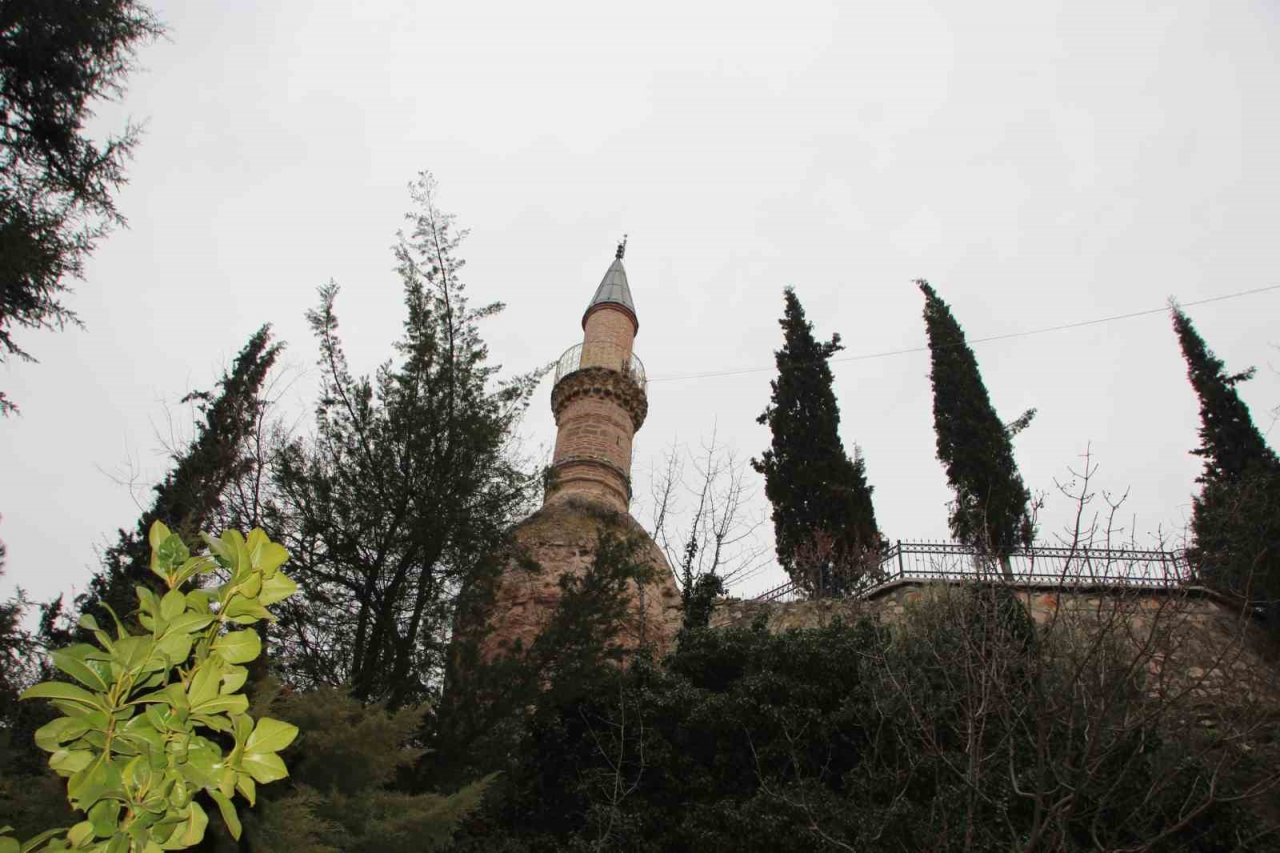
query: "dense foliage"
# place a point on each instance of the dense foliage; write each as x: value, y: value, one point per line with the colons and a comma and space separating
x: 485, y: 710
x: 991, y: 511
x: 1236, y: 517
x: 344, y: 791
x: 407, y: 483
x: 967, y: 728
x: 57, y: 58
x: 823, y: 519
x: 147, y: 716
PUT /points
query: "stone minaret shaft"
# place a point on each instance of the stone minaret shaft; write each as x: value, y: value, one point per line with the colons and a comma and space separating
x: 599, y: 400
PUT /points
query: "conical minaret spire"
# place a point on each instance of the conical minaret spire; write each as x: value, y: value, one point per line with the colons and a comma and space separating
x: 599, y: 399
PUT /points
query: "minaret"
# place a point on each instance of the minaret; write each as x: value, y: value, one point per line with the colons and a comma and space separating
x: 599, y: 399
x: 599, y: 402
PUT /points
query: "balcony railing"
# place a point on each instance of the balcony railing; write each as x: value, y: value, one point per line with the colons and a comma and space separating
x: 952, y: 561
x: 606, y: 355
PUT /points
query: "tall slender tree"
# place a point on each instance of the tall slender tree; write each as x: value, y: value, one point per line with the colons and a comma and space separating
x: 191, y: 494
x: 1235, y: 520
x: 406, y: 485
x: 991, y: 511
x: 57, y: 58
x: 823, y: 518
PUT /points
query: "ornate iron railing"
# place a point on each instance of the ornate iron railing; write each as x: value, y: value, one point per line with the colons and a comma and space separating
x: 952, y: 561
x: 606, y: 355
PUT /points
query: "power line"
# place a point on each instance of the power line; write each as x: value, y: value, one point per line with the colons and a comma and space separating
x: 987, y: 339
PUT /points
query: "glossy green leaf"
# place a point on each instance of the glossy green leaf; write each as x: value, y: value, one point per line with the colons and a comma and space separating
x: 179, y: 794
x: 202, y: 765
x: 66, y: 762
x: 243, y: 727
x: 218, y: 547
x: 138, y: 775
x: 237, y: 704
x: 75, y: 667
x: 175, y: 647
x: 66, y: 692
x: 157, y: 533
x: 234, y: 554
x: 191, y: 568
x: 104, y: 816
x: 234, y: 678
x: 171, y: 554
x: 100, y: 778
x: 217, y: 722
x: 264, y: 767
x: 53, y: 734
x: 267, y: 556
x: 247, y: 787
x: 228, y: 810
x: 80, y: 833
x: 132, y: 652
x: 246, y: 611
x: 159, y: 716
x: 277, y: 588
x: 35, y: 842
x: 238, y: 646
x: 188, y: 622
x: 204, y: 684
x: 198, y: 601
x: 172, y: 605
x: 271, y: 736
x: 148, y: 602
x: 190, y: 832
x: 10, y: 845
x: 251, y: 585
x: 142, y: 733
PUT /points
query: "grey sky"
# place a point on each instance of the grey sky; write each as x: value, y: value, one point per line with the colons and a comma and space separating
x: 1039, y: 163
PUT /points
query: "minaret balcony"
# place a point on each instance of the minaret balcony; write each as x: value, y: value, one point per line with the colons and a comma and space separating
x: 604, y: 355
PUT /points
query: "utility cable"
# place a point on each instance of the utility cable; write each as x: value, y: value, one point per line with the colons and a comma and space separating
x: 1077, y: 325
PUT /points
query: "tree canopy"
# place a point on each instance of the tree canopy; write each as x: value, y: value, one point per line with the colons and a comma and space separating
x: 406, y: 485
x: 823, y: 518
x: 1235, y: 522
x: 991, y: 511
x: 57, y: 58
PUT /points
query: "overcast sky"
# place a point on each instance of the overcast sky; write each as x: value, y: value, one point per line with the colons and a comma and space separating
x: 1040, y: 163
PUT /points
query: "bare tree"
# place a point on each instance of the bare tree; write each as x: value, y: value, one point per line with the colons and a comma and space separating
x: 701, y: 516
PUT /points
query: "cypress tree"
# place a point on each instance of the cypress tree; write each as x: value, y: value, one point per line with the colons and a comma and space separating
x: 991, y: 510
x: 1235, y: 520
x: 823, y: 518
x: 191, y: 494
x: 1229, y: 442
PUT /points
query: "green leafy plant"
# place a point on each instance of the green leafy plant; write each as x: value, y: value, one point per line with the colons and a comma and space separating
x: 157, y: 716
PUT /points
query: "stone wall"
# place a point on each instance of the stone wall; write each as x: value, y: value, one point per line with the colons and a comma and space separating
x: 561, y: 538
x: 1189, y: 641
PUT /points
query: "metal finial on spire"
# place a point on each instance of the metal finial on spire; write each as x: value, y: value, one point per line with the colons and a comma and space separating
x: 613, y: 289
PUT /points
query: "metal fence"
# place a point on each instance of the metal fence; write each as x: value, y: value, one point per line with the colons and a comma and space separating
x: 952, y: 561
x: 602, y: 354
